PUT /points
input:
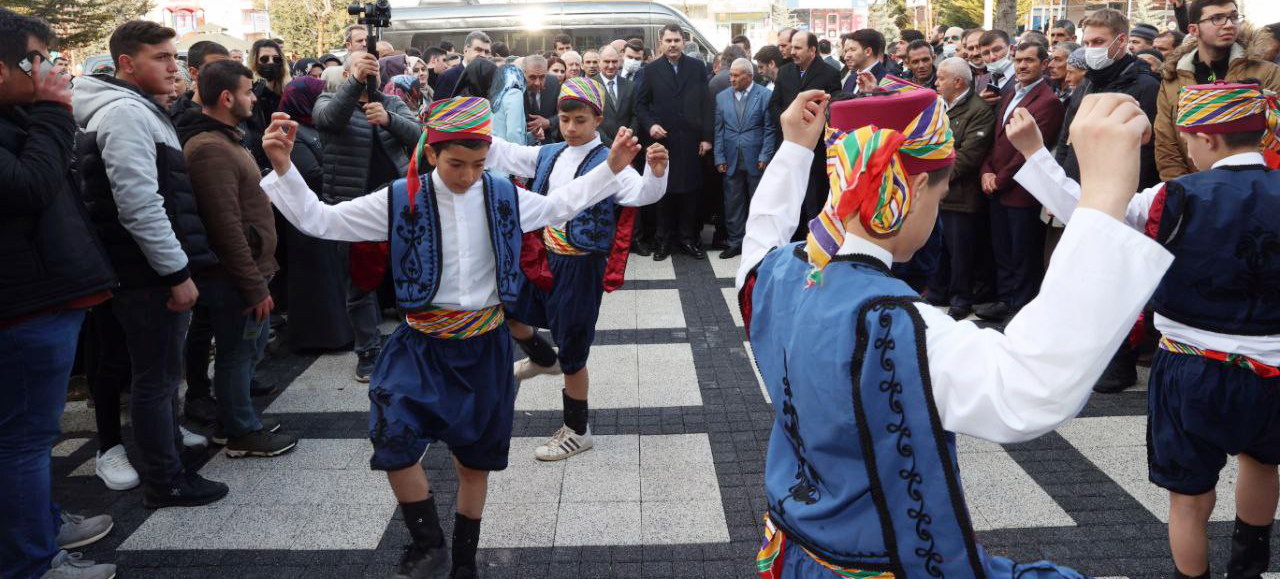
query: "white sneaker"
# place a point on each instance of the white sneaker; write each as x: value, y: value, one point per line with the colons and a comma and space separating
x: 526, y: 369
x: 114, y: 469
x: 191, y: 439
x: 564, y: 444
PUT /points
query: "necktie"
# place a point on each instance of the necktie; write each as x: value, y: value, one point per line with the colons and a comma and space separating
x: 613, y: 89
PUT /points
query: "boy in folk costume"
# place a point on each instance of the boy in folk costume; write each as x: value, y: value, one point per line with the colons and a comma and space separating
x: 584, y: 257
x: 870, y: 384
x: 1215, y: 380
x: 445, y: 375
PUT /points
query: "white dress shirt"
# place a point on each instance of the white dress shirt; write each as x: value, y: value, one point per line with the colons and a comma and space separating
x: 467, y: 277
x: 1038, y: 373
x: 1044, y: 178
x: 521, y: 160
x: 1019, y: 92
x: 738, y: 95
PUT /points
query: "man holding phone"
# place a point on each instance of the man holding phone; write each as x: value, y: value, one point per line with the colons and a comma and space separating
x: 242, y: 233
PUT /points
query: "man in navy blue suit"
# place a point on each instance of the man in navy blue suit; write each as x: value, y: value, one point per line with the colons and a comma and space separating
x: 745, y: 137
x: 863, y: 50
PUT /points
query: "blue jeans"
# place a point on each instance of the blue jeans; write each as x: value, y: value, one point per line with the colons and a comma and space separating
x: 35, y: 365
x: 156, y: 336
x: 238, y: 341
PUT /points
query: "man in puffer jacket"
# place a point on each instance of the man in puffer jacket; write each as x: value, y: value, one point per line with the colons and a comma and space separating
x: 141, y: 202
x: 364, y: 150
x: 1216, y: 48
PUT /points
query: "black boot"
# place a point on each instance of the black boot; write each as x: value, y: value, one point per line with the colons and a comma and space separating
x: 1250, y: 551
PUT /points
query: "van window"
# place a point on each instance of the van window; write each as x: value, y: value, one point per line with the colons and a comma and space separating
x: 524, y: 42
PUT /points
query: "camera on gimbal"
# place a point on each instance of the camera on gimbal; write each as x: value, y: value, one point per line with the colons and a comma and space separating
x: 375, y: 14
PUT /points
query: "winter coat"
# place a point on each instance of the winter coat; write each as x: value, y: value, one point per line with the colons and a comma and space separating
x: 1135, y: 79
x: 136, y: 185
x: 973, y: 122
x: 348, y: 138
x: 1179, y: 71
x: 51, y: 256
x: 236, y: 211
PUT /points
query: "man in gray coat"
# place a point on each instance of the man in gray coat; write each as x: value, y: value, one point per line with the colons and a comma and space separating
x: 365, y: 148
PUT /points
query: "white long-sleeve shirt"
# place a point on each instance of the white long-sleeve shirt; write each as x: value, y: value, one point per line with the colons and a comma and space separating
x: 633, y: 190
x: 467, y: 277
x: 1038, y: 373
x: 1044, y: 178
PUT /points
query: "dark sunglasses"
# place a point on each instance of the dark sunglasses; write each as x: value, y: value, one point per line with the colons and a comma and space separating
x: 264, y: 59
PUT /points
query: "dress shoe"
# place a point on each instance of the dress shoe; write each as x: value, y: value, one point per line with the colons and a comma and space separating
x: 959, y: 312
x: 997, y: 312
x: 642, y: 249
x: 731, y: 252
x: 693, y: 251
x: 662, y: 252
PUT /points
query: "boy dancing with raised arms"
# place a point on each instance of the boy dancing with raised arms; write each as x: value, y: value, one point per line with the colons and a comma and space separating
x: 585, y: 257
x: 1215, y: 380
x: 870, y: 384
x: 445, y: 375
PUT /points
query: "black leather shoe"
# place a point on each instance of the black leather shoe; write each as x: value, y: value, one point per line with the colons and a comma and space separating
x: 259, y: 388
x: 641, y: 249
x: 418, y: 562
x: 662, y: 252
x: 997, y: 312
x: 693, y: 251
x: 959, y: 312
x: 731, y: 252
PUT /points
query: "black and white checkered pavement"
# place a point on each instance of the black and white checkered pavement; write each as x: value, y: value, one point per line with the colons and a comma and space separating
x: 673, y: 487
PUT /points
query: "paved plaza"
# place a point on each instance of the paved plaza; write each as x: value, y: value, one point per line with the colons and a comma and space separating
x: 673, y: 488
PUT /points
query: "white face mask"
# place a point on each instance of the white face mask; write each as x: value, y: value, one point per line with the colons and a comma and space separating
x: 1099, y: 57
x: 948, y: 50
x: 1000, y: 66
x: 630, y: 65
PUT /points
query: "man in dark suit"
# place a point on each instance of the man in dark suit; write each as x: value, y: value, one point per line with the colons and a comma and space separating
x: 863, y: 50
x: 805, y: 72
x: 1017, y: 234
x: 673, y: 105
x: 744, y: 144
x: 619, y: 95
x: 476, y: 46
x: 540, y: 96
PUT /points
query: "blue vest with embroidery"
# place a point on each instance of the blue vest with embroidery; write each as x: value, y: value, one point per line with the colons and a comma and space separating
x: 416, y: 260
x: 1223, y: 225
x: 859, y: 470
x: 591, y: 230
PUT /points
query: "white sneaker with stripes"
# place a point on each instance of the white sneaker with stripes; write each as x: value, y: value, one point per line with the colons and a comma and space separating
x: 564, y: 444
x: 526, y: 369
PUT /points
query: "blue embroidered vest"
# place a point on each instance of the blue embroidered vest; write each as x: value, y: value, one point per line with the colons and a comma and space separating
x: 1224, y: 227
x: 591, y: 230
x: 416, y: 260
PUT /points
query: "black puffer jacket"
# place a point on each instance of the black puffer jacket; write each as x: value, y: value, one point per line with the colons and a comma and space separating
x: 348, y: 139
x: 1127, y: 75
x: 49, y: 254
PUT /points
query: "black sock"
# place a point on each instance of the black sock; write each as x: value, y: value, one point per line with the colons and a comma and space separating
x: 466, y: 534
x: 1250, y: 550
x: 423, y: 522
x: 1179, y: 575
x: 538, y: 350
x: 575, y: 413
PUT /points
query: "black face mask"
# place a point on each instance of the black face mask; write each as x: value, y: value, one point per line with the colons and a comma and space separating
x: 270, y: 71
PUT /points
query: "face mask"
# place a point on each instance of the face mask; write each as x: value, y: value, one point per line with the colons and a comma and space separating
x: 270, y: 71
x: 1001, y: 66
x: 1098, y: 57
x: 948, y: 50
x: 630, y: 65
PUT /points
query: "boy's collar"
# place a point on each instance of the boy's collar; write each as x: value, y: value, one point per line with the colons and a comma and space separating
x: 854, y: 244
x: 1247, y: 158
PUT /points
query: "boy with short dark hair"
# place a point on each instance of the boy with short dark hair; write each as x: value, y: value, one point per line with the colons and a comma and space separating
x: 445, y: 375
x: 584, y: 257
x: 1215, y: 380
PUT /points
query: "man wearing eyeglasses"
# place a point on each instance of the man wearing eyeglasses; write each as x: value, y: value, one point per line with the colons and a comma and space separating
x: 1219, y: 53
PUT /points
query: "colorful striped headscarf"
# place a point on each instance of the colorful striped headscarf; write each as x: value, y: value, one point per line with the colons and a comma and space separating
x: 1230, y: 108
x: 585, y: 90
x: 867, y: 176
x: 452, y: 119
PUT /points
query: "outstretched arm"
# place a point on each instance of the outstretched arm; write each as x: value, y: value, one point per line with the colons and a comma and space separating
x: 1022, y: 383
x: 519, y: 160
x: 775, y: 208
x: 562, y: 203
x: 361, y: 219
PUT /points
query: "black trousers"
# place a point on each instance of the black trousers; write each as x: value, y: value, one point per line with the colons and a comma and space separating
x: 678, y: 218
x: 1017, y: 238
x: 953, y: 281
x: 815, y: 195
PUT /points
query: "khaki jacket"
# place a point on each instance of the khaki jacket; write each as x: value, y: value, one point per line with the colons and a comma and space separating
x: 973, y: 122
x: 1179, y: 71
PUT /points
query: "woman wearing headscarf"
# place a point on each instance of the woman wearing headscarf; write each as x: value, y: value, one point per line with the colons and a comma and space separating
x: 317, y: 297
x: 307, y: 67
x: 419, y: 69
x: 407, y: 88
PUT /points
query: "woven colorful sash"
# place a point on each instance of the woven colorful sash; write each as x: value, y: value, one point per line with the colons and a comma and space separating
x: 557, y: 241
x: 451, y: 324
x: 769, y: 558
x: 1255, y: 366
